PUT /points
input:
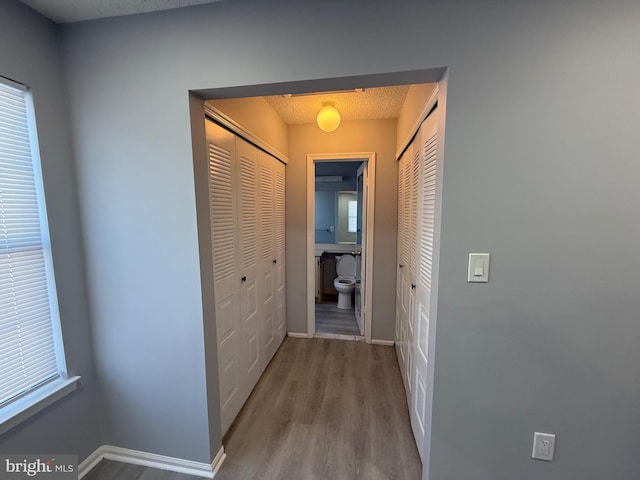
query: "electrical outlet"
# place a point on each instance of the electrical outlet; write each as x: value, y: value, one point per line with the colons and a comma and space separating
x: 543, y: 446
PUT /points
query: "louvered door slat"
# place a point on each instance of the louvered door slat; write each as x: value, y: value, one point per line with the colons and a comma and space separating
x: 413, y: 222
x: 428, y: 211
x: 401, y: 209
x: 266, y: 210
x: 222, y: 211
x: 279, y: 210
x: 248, y: 205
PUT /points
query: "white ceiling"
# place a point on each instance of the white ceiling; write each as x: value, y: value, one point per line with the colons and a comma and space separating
x: 67, y: 11
x: 372, y: 103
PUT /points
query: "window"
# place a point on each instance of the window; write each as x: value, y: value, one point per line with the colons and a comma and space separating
x: 353, y: 216
x: 31, y: 355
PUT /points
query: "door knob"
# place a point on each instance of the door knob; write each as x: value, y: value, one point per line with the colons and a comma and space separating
x: 413, y: 286
x: 401, y: 266
x: 275, y: 261
x: 244, y: 278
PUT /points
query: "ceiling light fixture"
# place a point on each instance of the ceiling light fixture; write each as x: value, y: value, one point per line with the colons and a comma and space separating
x: 328, y: 117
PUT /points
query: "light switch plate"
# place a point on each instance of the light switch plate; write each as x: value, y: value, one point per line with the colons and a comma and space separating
x: 478, y: 268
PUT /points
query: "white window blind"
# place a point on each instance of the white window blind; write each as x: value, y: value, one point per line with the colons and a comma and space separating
x: 29, y: 325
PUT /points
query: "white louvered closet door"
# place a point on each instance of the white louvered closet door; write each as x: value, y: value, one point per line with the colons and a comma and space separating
x: 224, y: 236
x: 412, y: 180
x: 398, y: 330
x: 246, y: 204
x: 248, y: 241
x: 426, y: 142
x: 279, y: 227
x: 402, y: 285
x: 267, y: 254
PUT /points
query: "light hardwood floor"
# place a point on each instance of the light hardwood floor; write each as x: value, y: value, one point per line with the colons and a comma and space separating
x: 324, y: 409
x: 109, y: 470
x: 331, y: 319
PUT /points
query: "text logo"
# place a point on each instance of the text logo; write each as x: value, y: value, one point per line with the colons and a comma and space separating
x: 44, y: 467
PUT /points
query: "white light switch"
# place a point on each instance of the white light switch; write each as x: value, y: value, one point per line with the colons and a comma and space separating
x: 478, y: 268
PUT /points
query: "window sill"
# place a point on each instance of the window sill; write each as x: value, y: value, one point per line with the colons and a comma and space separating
x: 17, y: 412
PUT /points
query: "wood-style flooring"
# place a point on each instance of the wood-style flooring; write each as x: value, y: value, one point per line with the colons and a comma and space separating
x: 323, y: 410
x: 331, y: 319
x: 109, y: 470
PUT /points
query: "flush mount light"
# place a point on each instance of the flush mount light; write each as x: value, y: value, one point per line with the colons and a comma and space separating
x: 328, y: 117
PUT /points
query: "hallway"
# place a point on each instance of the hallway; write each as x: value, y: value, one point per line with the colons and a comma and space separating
x: 324, y: 409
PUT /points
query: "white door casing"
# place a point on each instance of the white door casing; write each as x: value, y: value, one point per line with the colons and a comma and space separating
x: 363, y: 171
x: 370, y: 158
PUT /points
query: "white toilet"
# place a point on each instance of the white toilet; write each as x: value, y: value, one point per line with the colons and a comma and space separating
x: 345, y: 283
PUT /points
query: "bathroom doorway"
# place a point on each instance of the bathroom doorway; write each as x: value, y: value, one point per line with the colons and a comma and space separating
x: 340, y: 245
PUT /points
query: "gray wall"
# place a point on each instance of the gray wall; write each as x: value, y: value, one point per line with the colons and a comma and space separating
x: 539, y: 170
x: 135, y: 171
x: 29, y: 54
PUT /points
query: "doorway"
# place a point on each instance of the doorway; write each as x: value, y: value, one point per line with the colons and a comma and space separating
x: 343, y: 235
x: 338, y: 248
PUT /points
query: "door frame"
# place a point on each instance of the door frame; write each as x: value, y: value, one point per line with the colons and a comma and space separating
x: 312, y: 158
x: 364, y: 171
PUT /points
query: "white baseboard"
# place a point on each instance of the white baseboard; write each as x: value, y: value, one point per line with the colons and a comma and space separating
x: 152, y: 460
x: 388, y: 343
x: 217, y: 461
x: 339, y: 336
x: 298, y: 335
x: 91, y: 461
